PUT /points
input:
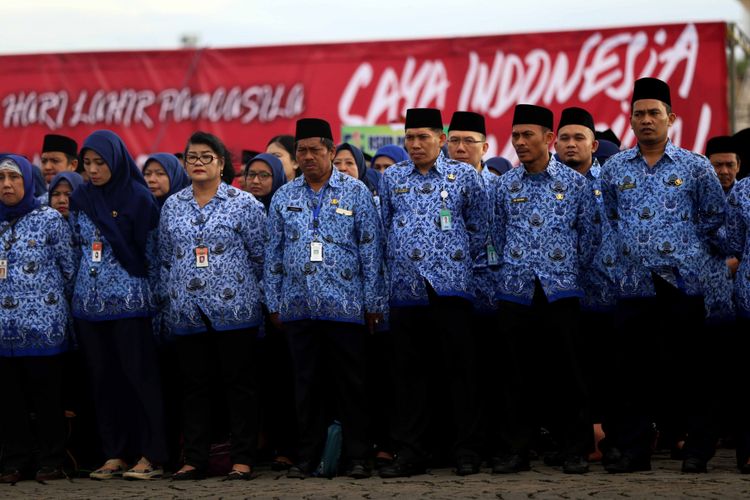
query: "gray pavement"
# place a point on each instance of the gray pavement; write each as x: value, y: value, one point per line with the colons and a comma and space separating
x: 664, y: 481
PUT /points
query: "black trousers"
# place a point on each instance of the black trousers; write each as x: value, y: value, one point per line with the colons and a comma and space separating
x: 659, y: 371
x: 543, y: 345
x: 596, y: 331
x: 329, y: 354
x: 124, y: 373
x: 426, y: 339
x: 32, y: 384
x: 233, y: 354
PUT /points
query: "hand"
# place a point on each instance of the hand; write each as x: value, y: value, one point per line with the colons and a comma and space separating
x: 372, y: 320
x: 733, y: 263
x: 276, y: 321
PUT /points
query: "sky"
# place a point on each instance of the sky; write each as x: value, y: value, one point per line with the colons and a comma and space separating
x: 34, y: 26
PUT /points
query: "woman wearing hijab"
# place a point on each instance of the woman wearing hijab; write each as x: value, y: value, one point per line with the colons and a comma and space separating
x: 61, y: 187
x: 264, y: 175
x: 351, y: 161
x: 387, y: 156
x: 114, y: 217
x: 37, y: 266
x: 211, y: 245
x: 164, y: 176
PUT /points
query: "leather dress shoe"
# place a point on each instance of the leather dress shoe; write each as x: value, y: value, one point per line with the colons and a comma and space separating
x: 555, y: 459
x: 611, y: 456
x: 50, y: 474
x: 575, y: 465
x: 402, y: 468
x: 694, y: 465
x: 10, y: 476
x: 299, y: 471
x: 358, y: 470
x: 467, y: 466
x: 629, y: 463
x: 510, y: 464
x: 745, y: 468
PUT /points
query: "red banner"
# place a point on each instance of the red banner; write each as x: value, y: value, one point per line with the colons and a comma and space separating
x: 156, y: 99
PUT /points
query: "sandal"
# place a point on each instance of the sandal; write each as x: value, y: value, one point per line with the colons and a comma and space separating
x: 107, y: 471
x: 280, y: 463
x: 188, y: 475
x: 236, y: 475
x: 146, y: 471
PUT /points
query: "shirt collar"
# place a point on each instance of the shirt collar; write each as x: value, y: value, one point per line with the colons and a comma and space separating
x: 552, y: 169
x: 334, y: 180
x: 439, y: 165
x: 670, y: 151
x: 595, y: 171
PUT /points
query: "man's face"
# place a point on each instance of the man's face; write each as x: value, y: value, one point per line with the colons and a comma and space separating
x: 575, y: 145
x: 54, y: 162
x: 314, y: 158
x: 423, y: 145
x: 727, y: 166
x: 650, y: 121
x: 531, y: 142
x: 468, y: 147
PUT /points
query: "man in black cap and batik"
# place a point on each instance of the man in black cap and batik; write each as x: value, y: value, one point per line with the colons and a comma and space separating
x: 434, y: 214
x: 546, y: 232
x: 666, y: 206
x: 59, y: 154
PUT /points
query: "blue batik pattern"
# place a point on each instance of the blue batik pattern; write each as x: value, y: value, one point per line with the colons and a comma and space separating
x: 34, y: 313
x: 666, y: 217
x: 485, y: 278
x: 351, y: 278
x: 105, y: 290
x: 418, y: 250
x: 227, y: 292
x: 738, y: 220
x: 546, y: 229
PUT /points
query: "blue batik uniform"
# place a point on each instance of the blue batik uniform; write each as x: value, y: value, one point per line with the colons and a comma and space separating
x: 227, y: 291
x: 545, y: 230
x: 418, y: 250
x: 666, y: 218
x: 105, y: 290
x: 349, y: 280
x: 34, y: 313
x: 486, y: 277
x: 738, y: 220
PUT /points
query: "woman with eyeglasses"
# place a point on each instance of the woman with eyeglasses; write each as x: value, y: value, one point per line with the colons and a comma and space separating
x: 114, y: 218
x: 263, y: 176
x: 211, y: 244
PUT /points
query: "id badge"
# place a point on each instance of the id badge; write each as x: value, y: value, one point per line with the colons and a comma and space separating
x: 201, y: 256
x: 96, y: 251
x: 3, y: 269
x: 446, y: 220
x: 491, y: 255
x: 316, y: 251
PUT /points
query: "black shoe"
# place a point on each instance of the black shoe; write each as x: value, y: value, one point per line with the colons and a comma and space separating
x: 50, y: 474
x: 188, y: 475
x: 555, y: 459
x: 10, y: 476
x: 467, y: 466
x: 359, y: 470
x: 629, y: 463
x: 575, y: 465
x: 694, y: 465
x: 298, y: 471
x: 745, y: 468
x: 402, y: 468
x: 611, y: 456
x: 510, y: 464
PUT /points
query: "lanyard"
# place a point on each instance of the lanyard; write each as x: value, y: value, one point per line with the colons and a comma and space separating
x: 317, y: 205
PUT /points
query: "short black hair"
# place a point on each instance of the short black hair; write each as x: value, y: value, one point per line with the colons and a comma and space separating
x: 213, y: 142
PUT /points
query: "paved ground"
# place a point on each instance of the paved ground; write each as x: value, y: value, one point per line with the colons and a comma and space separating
x: 664, y: 481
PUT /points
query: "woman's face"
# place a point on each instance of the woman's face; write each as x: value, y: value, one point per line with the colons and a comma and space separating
x: 11, y: 188
x: 289, y: 163
x: 96, y: 168
x: 344, y: 162
x: 59, y: 198
x: 203, y: 163
x: 156, y: 178
x: 259, y: 178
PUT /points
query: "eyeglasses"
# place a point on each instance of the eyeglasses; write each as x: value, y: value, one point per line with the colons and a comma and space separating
x: 467, y: 141
x: 263, y: 175
x: 205, y: 159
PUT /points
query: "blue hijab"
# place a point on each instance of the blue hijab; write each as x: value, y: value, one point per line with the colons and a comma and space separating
x: 498, y: 164
x: 40, y: 185
x: 279, y: 177
x: 178, y: 177
x: 369, y: 176
x: 123, y: 209
x: 73, y: 179
x: 29, y: 201
x: 395, y: 153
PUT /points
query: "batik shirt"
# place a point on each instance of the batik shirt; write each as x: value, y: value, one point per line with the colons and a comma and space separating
x: 546, y: 230
x: 419, y: 249
x: 229, y: 233
x: 40, y: 269
x: 738, y: 221
x: 348, y: 279
x: 666, y: 218
x: 105, y: 290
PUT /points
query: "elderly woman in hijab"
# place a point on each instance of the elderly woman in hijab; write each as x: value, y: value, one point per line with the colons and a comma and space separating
x: 264, y: 175
x: 61, y: 187
x: 37, y: 266
x: 387, y: 156
x: 164, y: 176
x: 350, y: 160
x: 115, y: 218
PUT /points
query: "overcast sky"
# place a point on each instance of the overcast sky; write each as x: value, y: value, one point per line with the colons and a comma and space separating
x: 80, y: 25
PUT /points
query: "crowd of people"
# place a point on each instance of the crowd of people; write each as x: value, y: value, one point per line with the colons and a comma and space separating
x: 594, y: 293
